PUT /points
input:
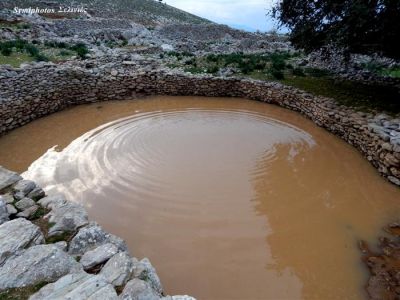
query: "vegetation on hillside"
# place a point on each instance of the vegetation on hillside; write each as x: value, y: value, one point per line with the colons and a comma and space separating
x: 283, y: 67
x: 15, y: 52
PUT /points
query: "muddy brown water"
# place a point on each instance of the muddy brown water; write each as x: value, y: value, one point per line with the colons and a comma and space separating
x: 229, y: 198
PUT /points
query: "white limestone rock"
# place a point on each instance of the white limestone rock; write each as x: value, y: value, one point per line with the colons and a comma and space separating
x: 144, y: 270
x: 65, y: 215
x: 8, y: 178
x: 37, y: 264
x: 118, y: 269
x: 137, y: 289
x: 79, y: 286
x: 25, y: 203
x: 16, y: 235
x: 98, y: 256
x: 24, y: 187
x: 4, y: 213
x: 92, y: 236
x: 29, y: 212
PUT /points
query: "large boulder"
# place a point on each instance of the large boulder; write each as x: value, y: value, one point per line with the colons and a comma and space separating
x: 137, y: 289
x: 98, y: 256
x: 92, y: 236
x: 118, y: 269
x: 79, y: 286
x: 16, y: 235
x: 8, y: 178
x: 37, y: 264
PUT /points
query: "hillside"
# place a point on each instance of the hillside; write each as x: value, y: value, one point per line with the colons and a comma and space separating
x: 146, y: 12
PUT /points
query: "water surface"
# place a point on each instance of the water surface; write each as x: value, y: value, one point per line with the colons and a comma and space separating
x: 229, y: 198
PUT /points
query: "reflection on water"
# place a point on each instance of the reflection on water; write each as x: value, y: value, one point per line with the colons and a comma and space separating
x: 230, y: 199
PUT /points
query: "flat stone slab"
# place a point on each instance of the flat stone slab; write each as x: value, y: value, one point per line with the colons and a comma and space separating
x: 98, y: 256
x: 8, y: 178
x: 37, y: 264
x: 79, y: 286
x: 16, y: 235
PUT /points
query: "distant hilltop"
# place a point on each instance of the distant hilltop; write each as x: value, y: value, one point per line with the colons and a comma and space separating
x: 146, y: 12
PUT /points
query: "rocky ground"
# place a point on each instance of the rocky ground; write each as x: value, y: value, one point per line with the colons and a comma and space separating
x: 50, y: 250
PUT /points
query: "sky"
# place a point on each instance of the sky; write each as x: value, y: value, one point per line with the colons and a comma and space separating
x: 241, y: 14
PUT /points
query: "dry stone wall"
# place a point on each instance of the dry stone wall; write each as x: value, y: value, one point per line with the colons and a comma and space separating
x: 34, y: 91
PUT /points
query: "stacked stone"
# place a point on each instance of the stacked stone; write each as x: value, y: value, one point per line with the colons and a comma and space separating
x: 49, y: 240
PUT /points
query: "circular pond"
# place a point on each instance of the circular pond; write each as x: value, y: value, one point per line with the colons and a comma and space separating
x: 229, y: 198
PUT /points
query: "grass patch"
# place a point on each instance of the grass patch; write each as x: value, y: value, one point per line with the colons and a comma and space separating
x: 15, y: 59
x: 20, y: 293
x: 392, y: 72
x: 350, y: 93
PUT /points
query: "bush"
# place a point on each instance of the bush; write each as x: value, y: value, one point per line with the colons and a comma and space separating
x: 277, y: 74
x: 212, y: 70
x: 315, y: 72
x: 41, y: 57
x: 64, y: 53
x: 298, y: 72
x: 81, y: 50
x: 6, y: 51
x: 32, y: 50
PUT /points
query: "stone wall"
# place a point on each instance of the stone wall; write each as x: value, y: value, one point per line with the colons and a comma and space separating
x: 35, y: 91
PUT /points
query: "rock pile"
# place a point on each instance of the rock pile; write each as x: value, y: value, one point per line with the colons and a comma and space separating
x: 57, y: 253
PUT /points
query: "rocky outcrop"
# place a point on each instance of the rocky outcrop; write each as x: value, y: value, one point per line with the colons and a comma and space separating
x: 59, y: 248
x: 29, y: 93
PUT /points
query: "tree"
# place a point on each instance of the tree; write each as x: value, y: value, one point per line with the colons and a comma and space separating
x: 355, y: 26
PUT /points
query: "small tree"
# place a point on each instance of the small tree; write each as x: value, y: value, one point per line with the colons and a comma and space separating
x: 357, y: 26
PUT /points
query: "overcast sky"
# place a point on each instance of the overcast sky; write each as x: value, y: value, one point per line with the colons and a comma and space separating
x: 243, y: 14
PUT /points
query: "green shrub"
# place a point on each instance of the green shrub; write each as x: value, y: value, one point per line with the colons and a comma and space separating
x: 41, y: 57
x: 212, y: 70
x: 31, y: 50
x: 194, y: 70
x: 277, y: 74
x: 64, y: 53
x: 80, y: 49
x: 298, y: 72
x: 315, y: 72
x: 6, y: 51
